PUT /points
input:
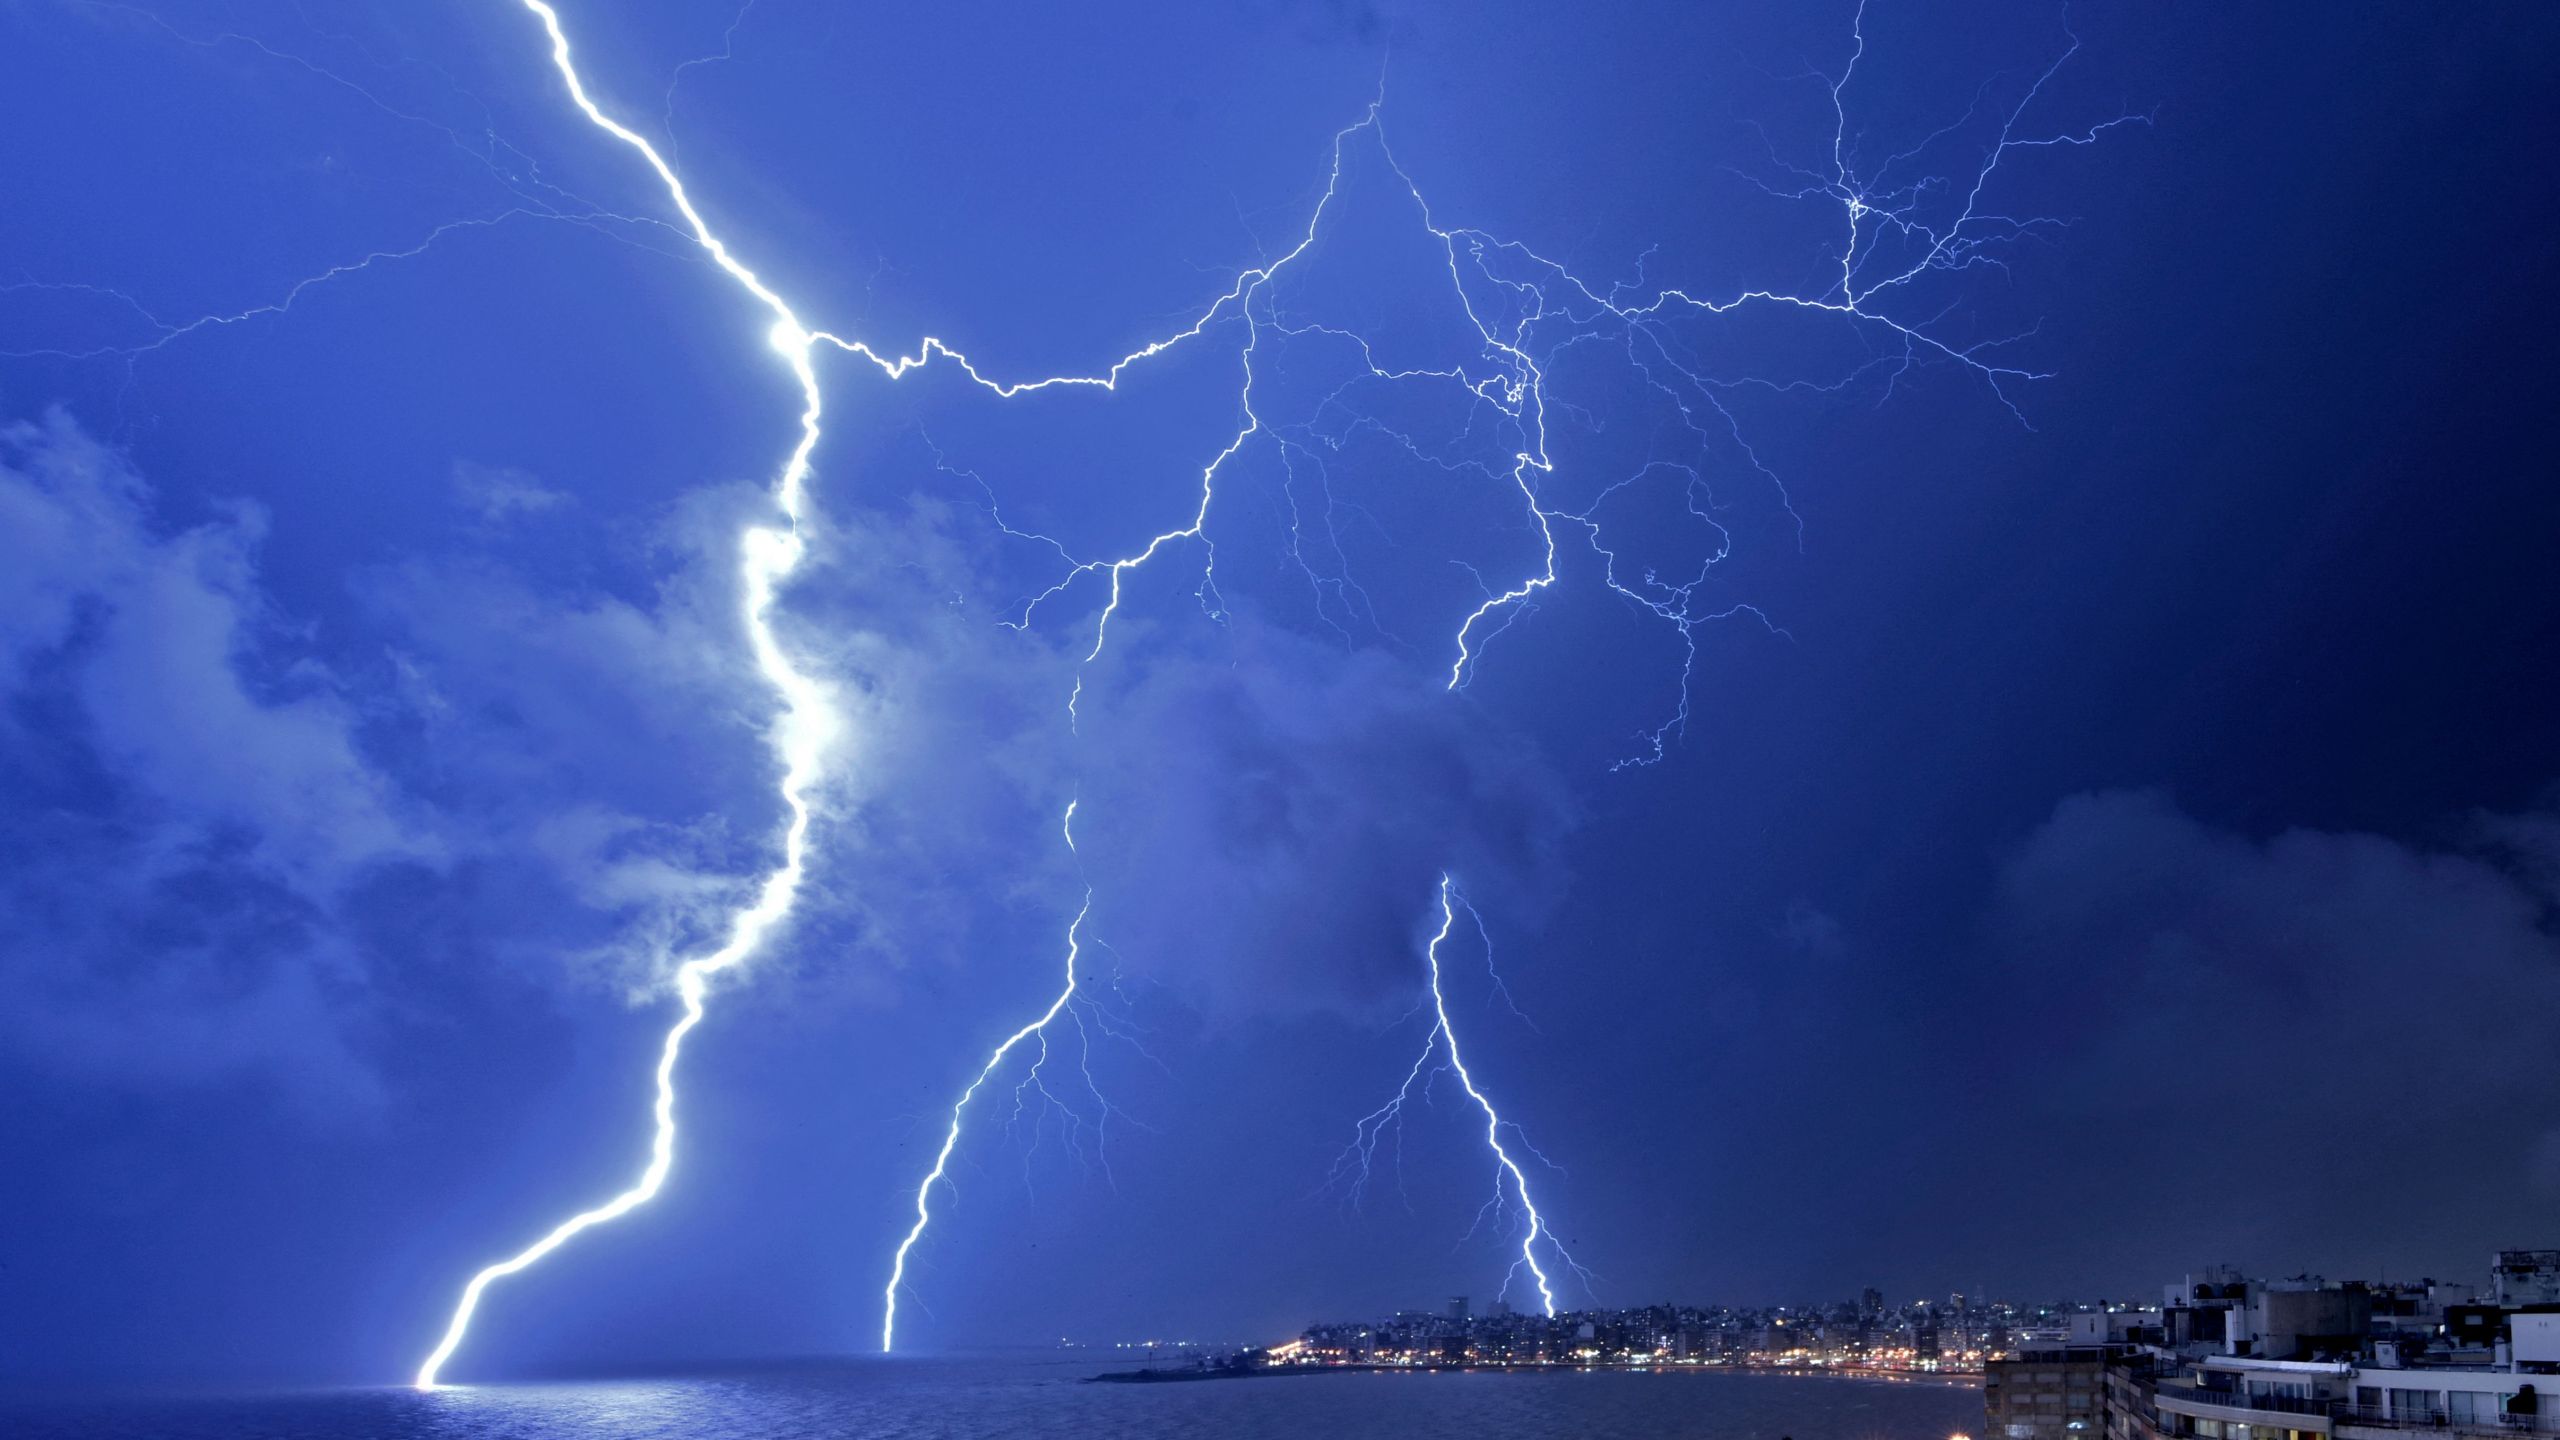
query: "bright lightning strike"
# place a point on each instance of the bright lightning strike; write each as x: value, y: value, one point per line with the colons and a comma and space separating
x: 995, y: 1061
x: 1443, y: 1039
x: 1239, y: 298
x: 1513, y: 297
x: 800, y: 737
x: 1524, y: 311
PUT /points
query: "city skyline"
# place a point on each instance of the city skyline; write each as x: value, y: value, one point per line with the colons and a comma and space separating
x: 2211, y: 1350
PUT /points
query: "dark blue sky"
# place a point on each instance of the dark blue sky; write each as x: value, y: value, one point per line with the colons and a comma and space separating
x: 2138, y: 852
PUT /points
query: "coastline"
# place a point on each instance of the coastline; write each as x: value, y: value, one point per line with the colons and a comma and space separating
x: 1152, y: 1376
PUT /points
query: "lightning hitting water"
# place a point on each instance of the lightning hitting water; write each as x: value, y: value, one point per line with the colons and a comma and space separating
x: 1521, y: 313
x: 800, y: 737
x: 1038, y: 1030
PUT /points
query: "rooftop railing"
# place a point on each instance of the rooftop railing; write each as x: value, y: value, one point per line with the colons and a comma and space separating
x: 2498, y: 1424
x: 2242, y: 1400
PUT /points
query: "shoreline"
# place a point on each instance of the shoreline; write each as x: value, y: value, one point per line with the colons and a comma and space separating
x: 1965, y: 1380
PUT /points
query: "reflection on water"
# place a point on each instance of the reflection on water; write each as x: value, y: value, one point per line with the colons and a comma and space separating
x: 969, y: 1399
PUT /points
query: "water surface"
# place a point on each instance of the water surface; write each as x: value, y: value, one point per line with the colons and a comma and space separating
x: 982, y: 1399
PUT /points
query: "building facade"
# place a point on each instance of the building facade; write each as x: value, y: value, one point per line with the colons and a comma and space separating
x: 2046, y: 1394
x: 2231, y: 1358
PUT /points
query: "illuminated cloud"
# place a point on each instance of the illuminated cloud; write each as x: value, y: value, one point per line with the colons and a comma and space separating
x: 189, y: 803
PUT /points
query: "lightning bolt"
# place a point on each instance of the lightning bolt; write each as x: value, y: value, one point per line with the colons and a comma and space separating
x: 1509, y: 371
x: 800, y: 737
x: 1524, y: 310
x: 951, y: 1134
x: 1238, y: 299
x: 1443, y: 1039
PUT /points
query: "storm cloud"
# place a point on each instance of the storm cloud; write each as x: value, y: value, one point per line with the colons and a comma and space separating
x: 2312, y: 1009
x: 187, y: 798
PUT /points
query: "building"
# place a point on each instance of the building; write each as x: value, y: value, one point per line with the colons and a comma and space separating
x: 2231, y: 1358
x: 2046, y: 1394
x: 2115, y: 1325
x: 2526, y: 1277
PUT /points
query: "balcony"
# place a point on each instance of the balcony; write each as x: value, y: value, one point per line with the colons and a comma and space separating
x: 2375, y: 1415
x: 2238, y: 1400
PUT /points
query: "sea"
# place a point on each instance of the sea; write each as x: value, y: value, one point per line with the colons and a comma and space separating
x: 985, y: 1398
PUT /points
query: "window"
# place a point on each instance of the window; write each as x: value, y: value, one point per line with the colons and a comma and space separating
x: 2416, y: 1404
x: 2472, y: 1405
x: 2368, y: 1397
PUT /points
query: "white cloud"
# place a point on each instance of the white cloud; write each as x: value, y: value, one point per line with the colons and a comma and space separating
x: 180, y: 834
x: 197, y: 813
x: 499, y: 493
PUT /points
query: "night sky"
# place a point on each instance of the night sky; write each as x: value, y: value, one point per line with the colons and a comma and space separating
x: 2119, y: 837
